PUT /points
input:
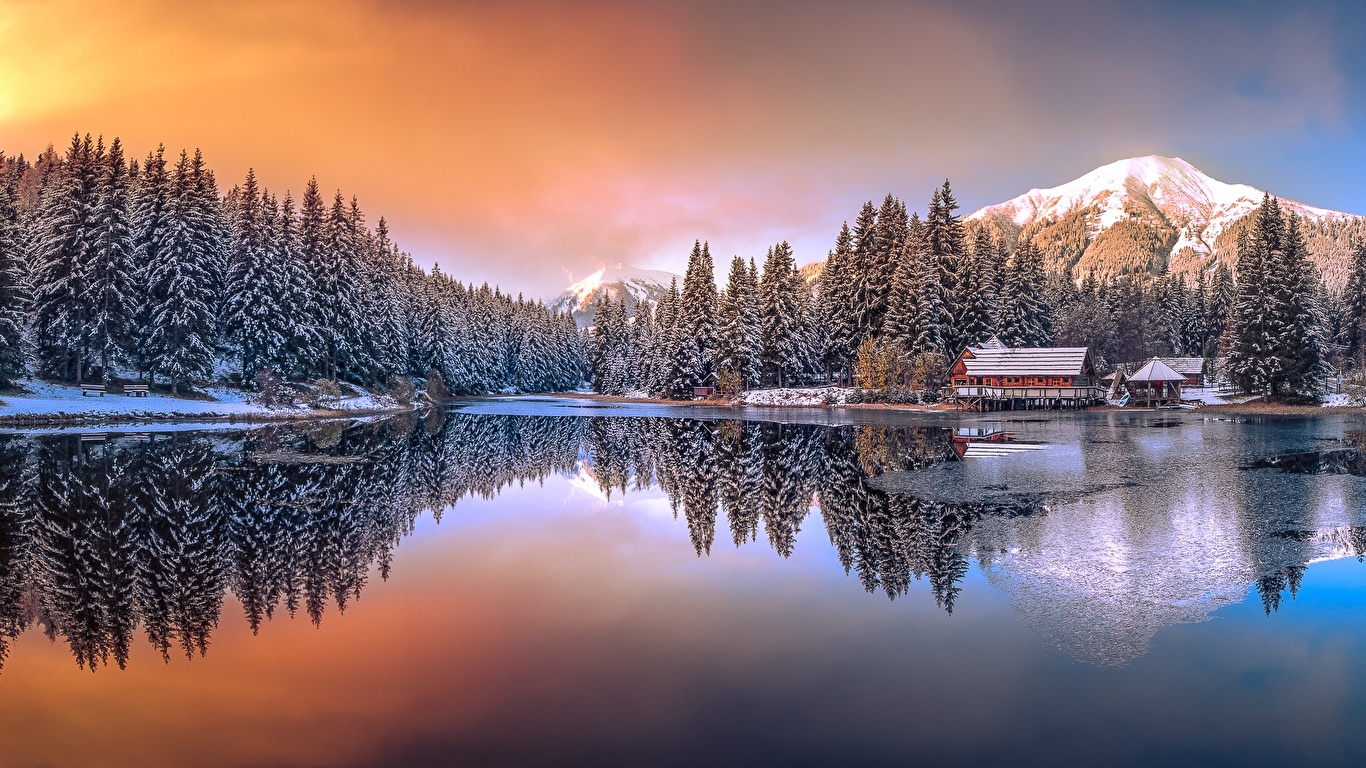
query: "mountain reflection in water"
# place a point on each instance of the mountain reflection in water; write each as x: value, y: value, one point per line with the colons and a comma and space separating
x: 1097, y: 545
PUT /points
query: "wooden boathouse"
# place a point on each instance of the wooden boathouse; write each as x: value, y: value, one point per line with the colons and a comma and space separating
x: 994, y: 377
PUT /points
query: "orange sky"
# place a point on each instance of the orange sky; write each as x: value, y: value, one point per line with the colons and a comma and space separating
x: 526, y: 142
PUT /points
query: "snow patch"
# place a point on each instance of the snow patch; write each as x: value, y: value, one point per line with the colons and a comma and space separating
x: 788, y: 396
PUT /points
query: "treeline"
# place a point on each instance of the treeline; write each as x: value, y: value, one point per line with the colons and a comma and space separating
x: 110, y: 268
x: 898, y: 298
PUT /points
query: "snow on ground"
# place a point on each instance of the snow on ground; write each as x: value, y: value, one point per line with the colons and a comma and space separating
x: 1213, y: 396
x: 1343, y: 400
x: 813, y: 396
x: 45, y: 399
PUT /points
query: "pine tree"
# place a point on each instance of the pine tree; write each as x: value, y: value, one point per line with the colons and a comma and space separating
x: 1354, y: 314
x: 837, y: 297
x: 739, y: 328
x: 861, y: 275
x: 109, y: 295
x: 63, y: 252
x: 945, y: 237
x: 256, y: 324
x: 14, y: 295
x: 151, y: 201
x: 904, y: 306
x: 975, y: 301
x: 181, y: 327
x: 784, y: 337
x: 312, y: 221
x: 1025, y: 318
x: 698, y: 315
x: 889, y: 238
x: 1298, y: 342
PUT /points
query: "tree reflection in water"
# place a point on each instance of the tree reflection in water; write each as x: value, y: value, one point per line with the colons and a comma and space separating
x: 102, y: 539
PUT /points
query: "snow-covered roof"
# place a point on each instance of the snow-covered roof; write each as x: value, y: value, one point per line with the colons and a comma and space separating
x: 1037, y: 361
x: 1155, y: 370
x: 994, y: 343
x: 1187, y: 366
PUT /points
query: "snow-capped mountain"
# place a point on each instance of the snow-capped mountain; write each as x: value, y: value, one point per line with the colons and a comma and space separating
x: 1145, y: 213
x: 639, y: 285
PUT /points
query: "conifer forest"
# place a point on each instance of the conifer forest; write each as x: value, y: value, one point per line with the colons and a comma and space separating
x: 111, y: 268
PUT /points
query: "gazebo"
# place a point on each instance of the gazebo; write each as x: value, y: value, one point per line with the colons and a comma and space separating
x: 1156, y: 382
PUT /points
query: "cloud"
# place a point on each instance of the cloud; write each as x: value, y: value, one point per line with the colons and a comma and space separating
x: 512, y: 140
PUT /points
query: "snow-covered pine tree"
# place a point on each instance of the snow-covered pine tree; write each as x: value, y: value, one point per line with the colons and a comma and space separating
x: 974, y: 301
x: 150, y: 220
x: 667, y: 342
x: 14, y: 292
x: 390, y: 351
x: 948, y: 249
x: 1249, y: 343
x: 903, y: 304
x: 1024, y: 313
x: 293, y: 288
x: 338, y: 292
x: 699, y: 313
x: 256, y: 324
x: 1354, y: 306
x: 312, y: 222
x: 836, y: 298
x: 783, y: 343
x: 108, y: 290
x: 932, y: 317
x: 889, y: 238
x: 738, y: 338
x: 62, y: 250
x: 181, y: 328
x: 862, y: 273
x: 1219, y: 309
x: 1300, y: 343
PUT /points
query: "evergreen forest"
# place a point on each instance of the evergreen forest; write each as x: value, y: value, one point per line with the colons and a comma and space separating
x: 113, y: 269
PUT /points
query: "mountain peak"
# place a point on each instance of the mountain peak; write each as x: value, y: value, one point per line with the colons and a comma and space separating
x: 1183, y: 210
x: 612, y: 279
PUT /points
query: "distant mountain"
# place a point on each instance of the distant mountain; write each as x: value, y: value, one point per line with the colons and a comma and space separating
x: 639, y: 285
x: 1151, y: 213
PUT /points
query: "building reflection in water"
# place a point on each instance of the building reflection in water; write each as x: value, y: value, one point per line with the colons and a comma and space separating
x: 105, y: 540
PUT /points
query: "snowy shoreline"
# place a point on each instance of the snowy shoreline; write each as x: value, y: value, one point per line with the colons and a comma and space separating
x: 43, y: 406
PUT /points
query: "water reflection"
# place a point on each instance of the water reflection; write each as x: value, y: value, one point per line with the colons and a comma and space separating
x: 104, y: 539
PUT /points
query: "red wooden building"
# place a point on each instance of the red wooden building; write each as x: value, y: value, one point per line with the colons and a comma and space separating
x: 995, y: 377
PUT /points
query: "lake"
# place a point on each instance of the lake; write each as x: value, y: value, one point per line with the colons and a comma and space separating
x: 541, y: 581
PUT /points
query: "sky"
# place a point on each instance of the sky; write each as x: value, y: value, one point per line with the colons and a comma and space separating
x: 529, y: 143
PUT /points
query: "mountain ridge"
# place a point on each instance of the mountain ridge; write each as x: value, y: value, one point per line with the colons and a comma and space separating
x: 1153, y: 214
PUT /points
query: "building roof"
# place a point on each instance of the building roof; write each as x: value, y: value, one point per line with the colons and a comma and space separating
x: 1156, y: 370
x: 1038, y: 361
x: 1186, y: 366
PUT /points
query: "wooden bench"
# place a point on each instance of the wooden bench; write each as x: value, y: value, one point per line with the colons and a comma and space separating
x: 135, y: 390
x: 92, y: 390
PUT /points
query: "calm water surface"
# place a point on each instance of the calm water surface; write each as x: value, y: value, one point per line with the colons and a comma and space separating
x: 528, y: 582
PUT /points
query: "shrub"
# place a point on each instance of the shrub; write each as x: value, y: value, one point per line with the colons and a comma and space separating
x: 270, y: 390
x: 323, y: 393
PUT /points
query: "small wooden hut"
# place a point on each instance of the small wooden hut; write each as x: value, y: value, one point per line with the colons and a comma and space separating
x: 1155, y: 384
